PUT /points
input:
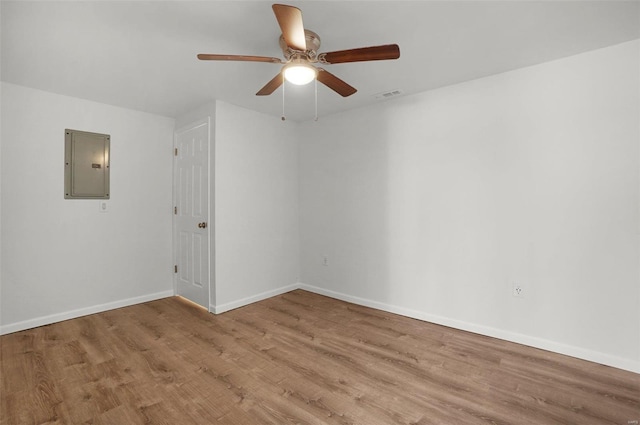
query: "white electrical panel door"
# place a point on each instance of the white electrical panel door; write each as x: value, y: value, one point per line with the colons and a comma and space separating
x: 86, y: 165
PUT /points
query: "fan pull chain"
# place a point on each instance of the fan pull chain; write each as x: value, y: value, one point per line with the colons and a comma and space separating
x: 316, y: 96
x: 283, y: 84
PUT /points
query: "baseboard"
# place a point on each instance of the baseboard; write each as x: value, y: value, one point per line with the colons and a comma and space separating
x: 217, y: 309
x: 59, y: 317
x: 556, y: 347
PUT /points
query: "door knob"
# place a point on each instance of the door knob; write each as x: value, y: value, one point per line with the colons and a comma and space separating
x: 202, y: 225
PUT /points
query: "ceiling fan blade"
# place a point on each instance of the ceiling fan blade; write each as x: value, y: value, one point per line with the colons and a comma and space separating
x: 271, y: 86
x: 290, y: 21
x: 213, y: 57
x: 374, y: 53
x: 335, y: 83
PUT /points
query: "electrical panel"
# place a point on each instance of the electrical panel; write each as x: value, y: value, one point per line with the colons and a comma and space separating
x: 86, y: 165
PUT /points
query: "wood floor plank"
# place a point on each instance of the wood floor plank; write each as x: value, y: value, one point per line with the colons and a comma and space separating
x: 298, y: 358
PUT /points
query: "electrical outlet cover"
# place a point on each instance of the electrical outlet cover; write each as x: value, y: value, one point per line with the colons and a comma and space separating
x: 518, y: 291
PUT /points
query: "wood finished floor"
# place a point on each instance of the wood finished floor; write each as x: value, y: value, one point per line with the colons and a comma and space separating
x: 298, y: 358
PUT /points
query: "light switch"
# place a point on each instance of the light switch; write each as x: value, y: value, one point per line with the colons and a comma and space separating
x: 104, y: 207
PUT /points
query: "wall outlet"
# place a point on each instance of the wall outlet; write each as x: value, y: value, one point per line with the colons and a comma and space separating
x: 325, y: 260
x: 518, y: 290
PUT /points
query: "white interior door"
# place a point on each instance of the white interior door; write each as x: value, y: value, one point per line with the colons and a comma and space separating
x: 191, y: 212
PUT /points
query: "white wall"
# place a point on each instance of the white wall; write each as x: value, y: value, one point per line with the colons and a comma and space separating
x: 430, y: 206
x: 256, y: 206
x: 62, y: 258
x: 433, y: 205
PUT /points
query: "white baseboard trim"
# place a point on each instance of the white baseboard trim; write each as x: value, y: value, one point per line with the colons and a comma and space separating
x: 217, y: 309
x: 85, y: 311
x: 556, y: 347
x: 531, y: 341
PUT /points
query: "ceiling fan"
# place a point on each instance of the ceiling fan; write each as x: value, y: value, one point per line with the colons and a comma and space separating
x: 300, y: 49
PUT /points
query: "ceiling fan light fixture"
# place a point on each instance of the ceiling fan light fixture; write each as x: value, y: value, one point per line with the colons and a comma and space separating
x: 299, y: 73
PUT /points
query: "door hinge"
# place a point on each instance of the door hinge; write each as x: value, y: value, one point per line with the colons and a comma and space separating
x: 175, y: 210
x: 175, y: 152
x: 175, y: 268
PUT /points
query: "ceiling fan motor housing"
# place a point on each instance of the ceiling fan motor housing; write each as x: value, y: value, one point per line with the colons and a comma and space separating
x: 313, y: 45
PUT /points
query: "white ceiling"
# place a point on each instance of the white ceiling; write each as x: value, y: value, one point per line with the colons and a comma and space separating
x: 142, y: 55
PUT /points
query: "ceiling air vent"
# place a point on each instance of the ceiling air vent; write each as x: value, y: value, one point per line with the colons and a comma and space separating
x: 388, y: 94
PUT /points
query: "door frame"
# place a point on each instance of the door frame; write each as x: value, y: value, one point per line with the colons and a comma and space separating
x: 210, y: 233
